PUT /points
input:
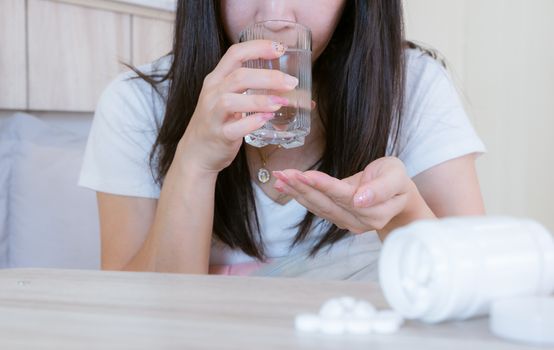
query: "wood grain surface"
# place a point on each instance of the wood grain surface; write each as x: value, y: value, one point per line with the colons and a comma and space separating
x: 76, y: 309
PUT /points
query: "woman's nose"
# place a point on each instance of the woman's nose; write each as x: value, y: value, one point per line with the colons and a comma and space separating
x: 276, y: 9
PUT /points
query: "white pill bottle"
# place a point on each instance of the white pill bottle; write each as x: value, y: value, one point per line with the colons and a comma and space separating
x: 454, y: 268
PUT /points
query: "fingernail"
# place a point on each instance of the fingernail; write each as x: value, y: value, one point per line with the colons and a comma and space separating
x: 305, y: 180
x: 291, y: 81
x: 279, y: 48
x: 263, y: 117
x: 281, y: 176
x: 278, y: 100
x: 364, y: 198
x: 279, y: 188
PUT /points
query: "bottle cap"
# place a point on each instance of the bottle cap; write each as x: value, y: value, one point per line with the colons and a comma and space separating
x: 529, y: 320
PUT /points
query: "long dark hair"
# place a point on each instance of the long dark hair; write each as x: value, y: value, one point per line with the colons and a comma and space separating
x: 359, y: 86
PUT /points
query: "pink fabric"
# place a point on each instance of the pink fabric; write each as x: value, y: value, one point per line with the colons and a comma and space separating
x: 236, y: 269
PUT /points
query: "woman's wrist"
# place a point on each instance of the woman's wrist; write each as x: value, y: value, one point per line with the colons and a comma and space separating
x: 415, y: 209
x: 182, y: 231
x: 185, y: 164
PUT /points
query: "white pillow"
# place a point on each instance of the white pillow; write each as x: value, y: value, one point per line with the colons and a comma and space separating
x: 52, y: 222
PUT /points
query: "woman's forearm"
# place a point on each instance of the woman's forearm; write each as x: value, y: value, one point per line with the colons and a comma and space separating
x: 180, y: 237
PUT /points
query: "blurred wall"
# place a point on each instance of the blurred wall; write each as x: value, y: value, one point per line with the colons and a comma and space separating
x: 501, y: 54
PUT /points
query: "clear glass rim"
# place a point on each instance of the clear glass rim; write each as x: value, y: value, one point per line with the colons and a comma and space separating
x: 303, y: 27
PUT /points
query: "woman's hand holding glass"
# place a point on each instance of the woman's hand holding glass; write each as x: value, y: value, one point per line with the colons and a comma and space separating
x: 217, y: 127
x: 382, y: 197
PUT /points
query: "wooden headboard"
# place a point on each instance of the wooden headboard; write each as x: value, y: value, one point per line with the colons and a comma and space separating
x: 58, y: 55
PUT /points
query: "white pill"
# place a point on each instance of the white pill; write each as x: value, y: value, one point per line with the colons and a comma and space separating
x: 348, y: 303
x: 387, y: 322
x: 307, y: 322
x: 359, y: 326
x: 391, y: 315
x: 332, y: 308
x: 364, y: 309
x: 334, y: 326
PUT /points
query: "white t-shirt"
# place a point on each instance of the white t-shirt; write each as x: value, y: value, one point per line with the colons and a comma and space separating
x: 435, y: 129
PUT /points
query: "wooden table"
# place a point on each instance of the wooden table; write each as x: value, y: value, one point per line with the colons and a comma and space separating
x: 75, y: 309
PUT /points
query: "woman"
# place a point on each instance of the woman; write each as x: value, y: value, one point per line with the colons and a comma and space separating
x: 177, y: 189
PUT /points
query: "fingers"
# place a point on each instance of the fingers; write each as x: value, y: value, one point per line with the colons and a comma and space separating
x: 379, y: 215
x: 300, y: 98
x: 315, y: 201
x: 380, y: 182
x: 236, y: 130
x: 242, y: 79
x: 331, y: 198
x: 238, y: 103
x: 340, y: 191
x: 239, y: 53
x: 354, y: 180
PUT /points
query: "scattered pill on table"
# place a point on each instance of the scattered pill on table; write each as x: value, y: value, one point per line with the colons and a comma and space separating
x: 387, y: 322
x: 332, y: 308
x: 348, y: 303
x: 332, y: 326
x: 307, y: 322
x: 363, y: 309
x: 359, y: 326
x: 347, y: 315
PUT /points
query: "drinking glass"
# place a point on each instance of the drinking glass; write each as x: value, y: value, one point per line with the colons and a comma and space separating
x: 291, y: 123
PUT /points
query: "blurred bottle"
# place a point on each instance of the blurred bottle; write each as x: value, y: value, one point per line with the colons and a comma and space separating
x: 453, y: 269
